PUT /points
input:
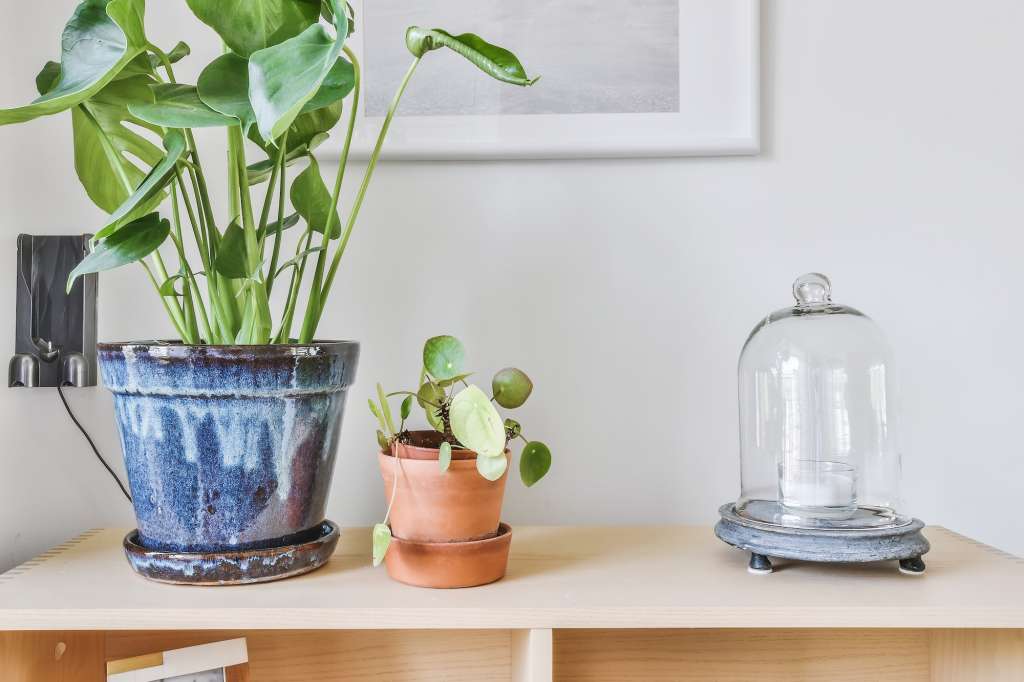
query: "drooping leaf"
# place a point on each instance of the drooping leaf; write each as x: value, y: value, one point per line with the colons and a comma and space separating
x: 496, y: 62
x: 274, y: 226
x: 176, y: 105
x: 476, y: 423
x: 429, y: 395
x: 311, y: 128
x: 224, y: 87
x: 101, y: 37
x: 492, y: 468
x: 534, y: 462
x: 167, y: 288
x: 406, y: 407
x: 111, y: 157
x: 381, y: 542
x: 151, y: 186
x: 443, y: 356
x: 312, y: 200
x: 285, y: 76
x: 261, y: 170
x: 511, y: 387
x: 294, y: 262
x: 250, y: 25
x: 134, y: 241
x: 337, y: 84
x: 444, y: 455
x: 231, y: 258
x: 445, y: 383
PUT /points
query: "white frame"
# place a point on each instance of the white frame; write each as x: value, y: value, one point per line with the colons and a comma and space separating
x: 597, y: 135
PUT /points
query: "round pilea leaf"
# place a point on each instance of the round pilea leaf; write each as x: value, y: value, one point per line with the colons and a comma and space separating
x: 534, y: 462
x: 381, y: 542
x: 442, y: 356
x: 511, y: 387
x: 445, y: 455
x: 406, y: 407
x: 430, y: 395
x: 512, y: 429
x: 492, y: 468
x: 476, y: 423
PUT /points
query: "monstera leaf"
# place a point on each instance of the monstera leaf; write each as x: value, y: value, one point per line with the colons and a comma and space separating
x: 496, y: 62
x: 176, y: 105
x: 250, y: 25
x: 284, y: 77
x: 312, y: 200
x: 224, y: 86
x: 100, y: 39
x: 133, y: 242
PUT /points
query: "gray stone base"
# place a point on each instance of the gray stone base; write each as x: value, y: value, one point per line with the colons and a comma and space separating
x: 905, y: 542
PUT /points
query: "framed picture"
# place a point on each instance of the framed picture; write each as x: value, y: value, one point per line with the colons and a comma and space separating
x: 226, y: 661
x: 643, y: 78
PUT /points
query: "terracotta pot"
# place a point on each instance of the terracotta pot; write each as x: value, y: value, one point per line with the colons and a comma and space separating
x: 440, y: 506
x: 450, y: 564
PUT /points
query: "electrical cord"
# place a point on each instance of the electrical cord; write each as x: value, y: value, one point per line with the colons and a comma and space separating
x: 85, y: 433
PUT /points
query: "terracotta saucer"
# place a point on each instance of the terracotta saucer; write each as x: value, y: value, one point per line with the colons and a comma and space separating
x: 450, y: 564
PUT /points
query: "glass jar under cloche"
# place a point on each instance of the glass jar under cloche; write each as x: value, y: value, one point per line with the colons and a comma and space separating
x: 819, y: 445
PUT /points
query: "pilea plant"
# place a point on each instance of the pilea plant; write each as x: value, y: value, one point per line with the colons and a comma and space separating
x: 280, y: 85
x: 464, y: 415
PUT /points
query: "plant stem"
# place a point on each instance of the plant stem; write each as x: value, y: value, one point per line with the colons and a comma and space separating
x: 357, y: 204
x: 272, y: 273
x: 176, y: 321
x: 284, y: 335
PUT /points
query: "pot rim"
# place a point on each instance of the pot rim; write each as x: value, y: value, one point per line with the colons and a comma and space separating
x: 170, y: 348
x: 437, y: 454
x: 504, y: 534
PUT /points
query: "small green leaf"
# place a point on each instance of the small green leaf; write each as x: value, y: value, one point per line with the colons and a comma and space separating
x: 454, y: 380
x: 534, y: 462
x: 381, y: 542
x: 176, y: 105
x: 312, y: 200
x: 496, y: 62
x: 512, y: 429
x: 511, y: 387
x: 167, y: 288
x: 294, y: 262
x: 406, y: 407
x: 492, y: 468
x: 47, y: 77
x: 275, y: 227
x: 442, y: 357
x: 224, y: 87
x: 382, y: 441
x: 231, y: 257
x: 476, y: 423
x: 386, y: 409
x: 430, y: 396
x: 376, y: 413
x: 433, y: 418
x: 444, y: 455
x: 153, y: 183
x: 178, y: 52
x: 132, y: 242
x: 260, y: 171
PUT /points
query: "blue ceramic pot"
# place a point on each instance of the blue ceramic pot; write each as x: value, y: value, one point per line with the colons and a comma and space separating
x: 228, y: 447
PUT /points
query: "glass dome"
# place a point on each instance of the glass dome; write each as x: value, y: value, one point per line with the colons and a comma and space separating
x: 818, y: 423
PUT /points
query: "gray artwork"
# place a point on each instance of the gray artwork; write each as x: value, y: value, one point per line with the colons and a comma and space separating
x: 208, y: 676
x: 593, y: 56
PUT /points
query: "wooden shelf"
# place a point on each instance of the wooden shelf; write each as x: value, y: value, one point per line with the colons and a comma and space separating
x: 584, y: 603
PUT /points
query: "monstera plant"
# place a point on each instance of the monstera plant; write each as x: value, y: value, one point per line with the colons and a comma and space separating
x: 229, y: 433
x: 281, y: 85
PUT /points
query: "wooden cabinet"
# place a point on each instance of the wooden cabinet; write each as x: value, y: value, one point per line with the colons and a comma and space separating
x: 659, y: 603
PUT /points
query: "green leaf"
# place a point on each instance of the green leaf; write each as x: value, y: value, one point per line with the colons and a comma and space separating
x: 434, y: 419
x: 445, y: 383
x: 511, y: 387
x: 496, y: 62
x: 443, y: 356
x: 293, y: 262
x: 382, y: 441
x: 47, y: 77
x: 284, y: 77
x: 177, y: 53
x: 444, y: 455
x: 231, y: 258
x: 261, y: 170
x: 132, y: 242
x: 151, y: 186
x: 430, y: 395
x: 406, y: 407
x: 476, y: 423
x: 386, y: 409
x: 224, y: 87
x: 274, y: 227
x: 312, y: 200
x: 167, y: 288
x: 492, y: 468
x: 250, y: 25
x: 534, y: 462
x: 310, y: 128
x: 376, y: 413
x: 381, y: 542
x: 512, y: 429
x: 177, y: 105
x: 340, y: 81
x: 111, y: 157
x: 101, y: 37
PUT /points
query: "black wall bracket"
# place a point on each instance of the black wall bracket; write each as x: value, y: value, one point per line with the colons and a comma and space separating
x: 55, y: 333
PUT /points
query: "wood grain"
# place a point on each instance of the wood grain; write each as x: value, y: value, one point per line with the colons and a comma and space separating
x: 741, y: 655
x: 326, y: 656
x: 52, y: 656
x: 982, y: 655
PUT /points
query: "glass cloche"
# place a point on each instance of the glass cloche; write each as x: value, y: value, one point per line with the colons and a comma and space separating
x: 818, y: 425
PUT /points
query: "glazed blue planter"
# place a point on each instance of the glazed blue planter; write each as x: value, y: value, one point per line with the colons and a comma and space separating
x: 228, y: 448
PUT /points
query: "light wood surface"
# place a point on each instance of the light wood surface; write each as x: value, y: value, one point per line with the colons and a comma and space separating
x: 559, y: 577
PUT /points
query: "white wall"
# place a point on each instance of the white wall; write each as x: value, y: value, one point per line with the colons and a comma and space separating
x: 892, y: 161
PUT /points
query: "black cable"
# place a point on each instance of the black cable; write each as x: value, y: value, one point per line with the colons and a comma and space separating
x: 85, y: 433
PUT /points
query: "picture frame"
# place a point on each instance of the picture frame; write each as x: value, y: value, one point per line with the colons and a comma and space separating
x: 447, y: 113
x: 226, y: 661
